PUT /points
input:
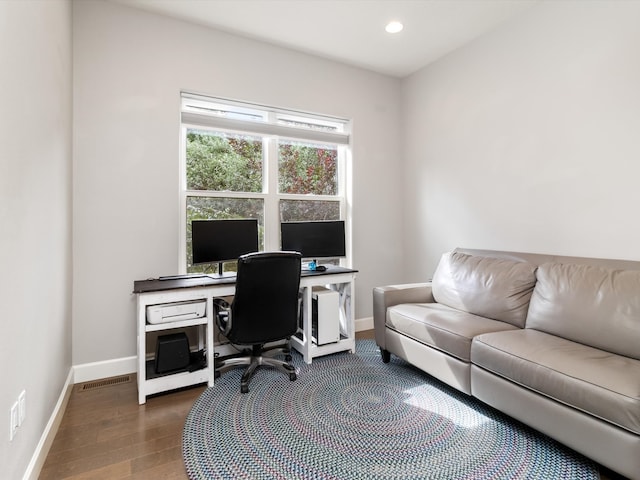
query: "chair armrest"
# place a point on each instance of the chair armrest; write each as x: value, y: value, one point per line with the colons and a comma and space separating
x: 390, y: 295
x: 222, y: 313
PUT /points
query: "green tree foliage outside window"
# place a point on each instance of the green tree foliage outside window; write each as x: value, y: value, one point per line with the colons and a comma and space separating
x: 308, y: 210
x: 223, y: 162
x: 307, y: 169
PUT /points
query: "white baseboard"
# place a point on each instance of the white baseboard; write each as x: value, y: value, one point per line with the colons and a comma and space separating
x: 51, y: 429
x: 88, y: 372
x: 364, y: 324
x: 105, y: 369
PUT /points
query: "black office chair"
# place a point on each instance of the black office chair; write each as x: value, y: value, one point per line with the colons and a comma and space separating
x: 264, y: 309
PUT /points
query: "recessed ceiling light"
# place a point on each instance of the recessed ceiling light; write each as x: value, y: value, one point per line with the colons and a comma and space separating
x: 394, y: 27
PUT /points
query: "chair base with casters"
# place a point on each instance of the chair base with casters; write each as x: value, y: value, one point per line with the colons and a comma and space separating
x: 259, y: 356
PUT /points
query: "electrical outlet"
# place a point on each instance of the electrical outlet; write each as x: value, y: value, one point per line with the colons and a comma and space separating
x: 22, y: 407
x: 13, y: 423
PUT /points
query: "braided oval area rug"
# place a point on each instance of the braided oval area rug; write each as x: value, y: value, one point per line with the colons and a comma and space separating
x: 351, y: 416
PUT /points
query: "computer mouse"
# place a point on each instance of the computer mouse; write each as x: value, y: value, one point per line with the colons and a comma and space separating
x: 321, y: 268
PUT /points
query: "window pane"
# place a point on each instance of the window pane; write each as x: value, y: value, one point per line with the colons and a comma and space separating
x: 307, y: 168
x: 308, y: 210
x: 220, y: 110
x: 310, y: 124
x: 207, y: 208
x: 218, y: 161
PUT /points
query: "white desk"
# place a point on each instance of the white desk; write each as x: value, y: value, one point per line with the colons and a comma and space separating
x: 156, y: 292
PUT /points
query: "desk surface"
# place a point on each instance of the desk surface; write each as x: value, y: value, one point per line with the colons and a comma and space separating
x: 156, y: 285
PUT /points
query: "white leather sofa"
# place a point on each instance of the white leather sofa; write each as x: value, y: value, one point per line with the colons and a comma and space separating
x: 551, y: 341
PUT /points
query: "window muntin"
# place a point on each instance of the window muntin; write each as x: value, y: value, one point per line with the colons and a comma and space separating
x: 249, y: 161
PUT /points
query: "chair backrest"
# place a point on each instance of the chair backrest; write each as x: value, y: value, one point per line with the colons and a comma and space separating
x: 265, y: 305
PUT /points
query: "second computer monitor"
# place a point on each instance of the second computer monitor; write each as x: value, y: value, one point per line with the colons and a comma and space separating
x: 322, y: 239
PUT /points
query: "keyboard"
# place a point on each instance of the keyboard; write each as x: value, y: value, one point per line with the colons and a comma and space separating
x: 184, y: 277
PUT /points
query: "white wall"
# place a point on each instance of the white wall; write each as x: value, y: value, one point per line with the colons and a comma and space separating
x: 129, y: 69
x: 35, y: 218
x: 528, y: 139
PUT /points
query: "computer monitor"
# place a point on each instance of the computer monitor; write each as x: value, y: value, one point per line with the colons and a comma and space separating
x: 323, y: 239
x: 219, y: 241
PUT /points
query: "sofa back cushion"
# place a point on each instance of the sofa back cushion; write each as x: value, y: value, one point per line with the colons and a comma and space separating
x: 590, y: 305
x: 490, y: 287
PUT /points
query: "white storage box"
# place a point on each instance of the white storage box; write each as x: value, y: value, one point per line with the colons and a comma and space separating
x: 325, y: 317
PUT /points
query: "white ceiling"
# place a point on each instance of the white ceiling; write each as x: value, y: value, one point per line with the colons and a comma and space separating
x: 350, y: 31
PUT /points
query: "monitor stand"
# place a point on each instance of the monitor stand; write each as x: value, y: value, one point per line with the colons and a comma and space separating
x: 220, y: 273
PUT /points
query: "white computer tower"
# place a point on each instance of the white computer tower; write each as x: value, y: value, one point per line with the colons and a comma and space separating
x: 325, y: 319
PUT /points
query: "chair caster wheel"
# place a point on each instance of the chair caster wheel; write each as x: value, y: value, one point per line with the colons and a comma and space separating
x: 244, y: 388
x: 292, y: 376
x: 288, y: 358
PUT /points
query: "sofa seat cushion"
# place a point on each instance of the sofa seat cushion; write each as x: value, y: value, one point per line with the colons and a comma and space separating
x: 600, y: 383
x: 441, y: 327
x: 495, y: 288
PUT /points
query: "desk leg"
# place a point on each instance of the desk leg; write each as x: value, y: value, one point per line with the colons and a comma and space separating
x: 142, y: 353
x: 306, y: 325
x: 209, y: 345
x: 347, y: 328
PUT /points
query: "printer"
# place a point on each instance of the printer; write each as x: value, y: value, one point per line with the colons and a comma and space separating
x: 175, y: 312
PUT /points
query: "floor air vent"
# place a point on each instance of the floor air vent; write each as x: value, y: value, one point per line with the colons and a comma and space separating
x: 107, y: 382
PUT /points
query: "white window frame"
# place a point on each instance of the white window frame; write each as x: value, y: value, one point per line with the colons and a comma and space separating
x: 194, y: 115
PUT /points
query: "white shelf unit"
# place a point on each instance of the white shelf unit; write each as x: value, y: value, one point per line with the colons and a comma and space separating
x: 343, y: 283
x: 148, y: 385
x: 156, y: 293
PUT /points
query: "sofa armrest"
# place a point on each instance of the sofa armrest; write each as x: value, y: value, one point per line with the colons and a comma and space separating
x: 390, y: 295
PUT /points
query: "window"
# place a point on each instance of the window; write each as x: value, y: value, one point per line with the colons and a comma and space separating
x: 251, y: 161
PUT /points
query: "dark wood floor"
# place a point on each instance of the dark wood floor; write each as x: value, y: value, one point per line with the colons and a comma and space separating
x: 105, y: 434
